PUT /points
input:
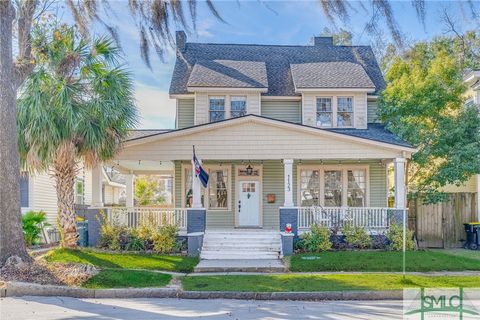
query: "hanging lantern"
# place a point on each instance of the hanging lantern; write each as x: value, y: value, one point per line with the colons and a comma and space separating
x: 249, y: 170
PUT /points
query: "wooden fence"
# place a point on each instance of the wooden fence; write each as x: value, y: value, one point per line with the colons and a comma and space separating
x: 441, y: 225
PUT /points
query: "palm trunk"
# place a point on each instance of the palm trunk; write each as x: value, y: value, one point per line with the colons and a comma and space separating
x: 65, y: 172
x: 11, y: 234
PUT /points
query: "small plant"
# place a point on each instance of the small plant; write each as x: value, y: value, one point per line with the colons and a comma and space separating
x: 356, y: 237
x: 32, y: 223
x: 135, y: 244
x: 165, y: 240
x: 379, y: 241
x: 317, y: 240
x: 395, y: 238
x: 113, y: 235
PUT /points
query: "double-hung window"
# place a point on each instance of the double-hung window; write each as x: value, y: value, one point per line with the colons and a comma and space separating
x: 79, y: 191
x: 357, y: 186
x: 218, y: 189
x: 324, y: 112
x: 309, y: 188
x: 187, y: 188
x: 344, y: 112
x: 238, y: 106
x: 332, y: 194
x: 217, y: 108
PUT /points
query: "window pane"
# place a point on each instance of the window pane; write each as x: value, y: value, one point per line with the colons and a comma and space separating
x: 309, y: 188
x: 217, y: 189
x: 188, y: 188
x: 79, y: 191
x: 324, y: 112
x: 357, y: 186
x: 333, y: 188
x: 217, y: 108
x: 238, y: 106
x: 345, y: 112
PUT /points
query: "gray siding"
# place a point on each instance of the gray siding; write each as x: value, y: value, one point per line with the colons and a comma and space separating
x: 24, y: 190
x: 372, y: 108
x: 287, y: 110
x: 185, y: 112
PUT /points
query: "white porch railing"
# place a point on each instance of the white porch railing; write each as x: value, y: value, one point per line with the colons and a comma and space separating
x: 135, y: 216
x: 372, y: 219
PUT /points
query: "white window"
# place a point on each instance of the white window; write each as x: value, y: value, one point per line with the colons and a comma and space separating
x: 217, y: 108
x: 238, y: 106
x: 336, y: 186
x: 324, y: 112
x: 309, y: 188
x: 218, y: 189
x: 187, y: 188
x: 357, y: 187
x: 79, y: 191
x: 344, y: 111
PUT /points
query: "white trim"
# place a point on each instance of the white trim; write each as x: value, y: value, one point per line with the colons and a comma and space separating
x: 225, y: 89
x: 268, y: 98
x: 341, y: 167
x: 181, y: 96
x: 335, y: 90
x: 272, y: 122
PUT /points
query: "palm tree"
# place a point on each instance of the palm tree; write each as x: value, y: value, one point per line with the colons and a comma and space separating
x: 77, y: 105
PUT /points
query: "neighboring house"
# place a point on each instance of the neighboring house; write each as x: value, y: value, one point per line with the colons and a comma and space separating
x: 472, y: 79
x: 278, y: 128
x: 37, y: 192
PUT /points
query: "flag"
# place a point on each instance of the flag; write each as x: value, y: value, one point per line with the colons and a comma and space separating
x: 200, y: 173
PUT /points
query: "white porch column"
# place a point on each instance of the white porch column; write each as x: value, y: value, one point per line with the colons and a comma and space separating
x: 97, y: 184
x: 400, y: 188
x: 288, y: 165
x: 129, y: 192
x: 196, y: 190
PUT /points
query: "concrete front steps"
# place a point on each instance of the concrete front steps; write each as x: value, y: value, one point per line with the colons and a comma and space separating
x: 241, y: 250
x: 241, y: 244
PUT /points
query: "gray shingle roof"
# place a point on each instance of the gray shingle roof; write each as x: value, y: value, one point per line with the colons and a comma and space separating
x: 277, y: 60
x: 228, y: 73
x: 341, y: 74
x: 142, y: 133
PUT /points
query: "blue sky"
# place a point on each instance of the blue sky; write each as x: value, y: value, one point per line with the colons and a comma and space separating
x: 263, y: 22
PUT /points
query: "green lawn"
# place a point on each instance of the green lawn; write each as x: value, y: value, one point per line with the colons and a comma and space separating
x: 389, y: 261
x: 310, y: 283
x: 117, y: 278
x: 123, y: 260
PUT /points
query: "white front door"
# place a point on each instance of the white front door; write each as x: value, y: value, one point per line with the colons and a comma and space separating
x: 249, y: 204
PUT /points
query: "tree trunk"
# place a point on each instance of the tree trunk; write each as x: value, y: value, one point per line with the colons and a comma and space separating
x: 65, y: 172
x: 11, y: 234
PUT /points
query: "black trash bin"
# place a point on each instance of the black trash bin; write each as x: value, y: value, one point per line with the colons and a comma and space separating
x: 82, y: 229
x: 472, y: 230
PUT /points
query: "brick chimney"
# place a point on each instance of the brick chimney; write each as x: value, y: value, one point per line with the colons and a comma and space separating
x: 323, y: 41
x: 181, y: 40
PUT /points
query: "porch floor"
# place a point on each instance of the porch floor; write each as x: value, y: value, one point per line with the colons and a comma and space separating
x: 241, y: 265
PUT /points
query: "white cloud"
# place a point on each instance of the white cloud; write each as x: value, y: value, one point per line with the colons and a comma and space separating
x: 157, y: 110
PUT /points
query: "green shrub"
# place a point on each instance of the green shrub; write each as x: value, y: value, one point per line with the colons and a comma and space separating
x: 113, y: 236
x: 356, y: 237
x: 317, y: 240
x: 32, y: 224
x: 164, y: 240
x: 395, y: 238
x: 135, y: 244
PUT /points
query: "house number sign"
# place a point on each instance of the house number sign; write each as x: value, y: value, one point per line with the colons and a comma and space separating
x: 288, y: 183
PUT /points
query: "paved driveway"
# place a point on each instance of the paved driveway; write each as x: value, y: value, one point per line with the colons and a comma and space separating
x: 54, y: 308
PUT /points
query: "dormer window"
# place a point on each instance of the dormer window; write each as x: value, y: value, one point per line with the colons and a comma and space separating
x: 217, y: 108
x: 345, y: 112
x: 324, y: 112
x: 238, y: 106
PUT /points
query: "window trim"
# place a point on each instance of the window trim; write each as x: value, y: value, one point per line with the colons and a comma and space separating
x: 224, y: 107
x: 204, y: 191
x: 332, y: 112
x: 341, y: 167
x: 353, y: 111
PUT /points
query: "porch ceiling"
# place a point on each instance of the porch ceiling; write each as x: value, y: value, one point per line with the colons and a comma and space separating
x: 143, y: 166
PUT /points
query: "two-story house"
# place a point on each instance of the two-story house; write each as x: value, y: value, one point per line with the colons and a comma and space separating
x: 277, y: 127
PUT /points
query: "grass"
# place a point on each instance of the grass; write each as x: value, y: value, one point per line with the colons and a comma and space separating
x: 311, y: 283
x: 389, y: 261
x: 123, y: 260
x: 118, y: 278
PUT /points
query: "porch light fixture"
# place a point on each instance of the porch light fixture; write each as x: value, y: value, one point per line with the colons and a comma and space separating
x: 249, y: 170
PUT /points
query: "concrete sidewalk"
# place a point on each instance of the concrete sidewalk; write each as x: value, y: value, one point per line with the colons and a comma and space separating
x: 241, y: 265
x: 56, y: 308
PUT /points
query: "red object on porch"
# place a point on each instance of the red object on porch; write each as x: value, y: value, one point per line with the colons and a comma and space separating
x: 288, y: 228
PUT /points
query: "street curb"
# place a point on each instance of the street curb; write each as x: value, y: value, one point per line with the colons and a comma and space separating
x: 19, y: 289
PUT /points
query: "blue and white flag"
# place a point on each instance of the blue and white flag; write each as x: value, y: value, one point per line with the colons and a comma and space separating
x: 200, y: 173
